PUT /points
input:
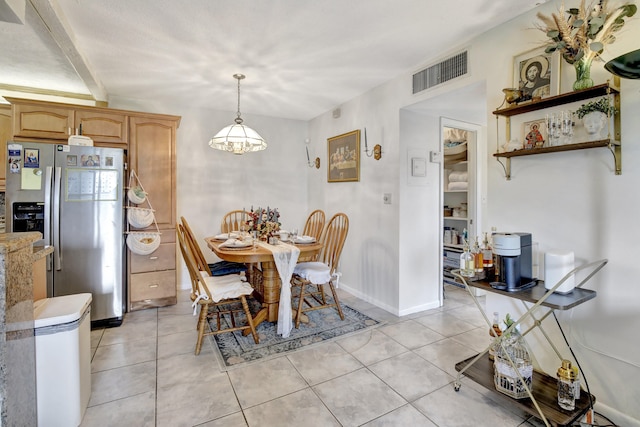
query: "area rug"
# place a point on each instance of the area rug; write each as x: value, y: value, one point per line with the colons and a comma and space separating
x: 324, y: 325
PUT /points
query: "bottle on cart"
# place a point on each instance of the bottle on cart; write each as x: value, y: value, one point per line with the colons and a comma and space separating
x: 566, y: 386
x: 467, y: 264
x: 494, y: 332
x: 477, y: 257
x: 487, y: 255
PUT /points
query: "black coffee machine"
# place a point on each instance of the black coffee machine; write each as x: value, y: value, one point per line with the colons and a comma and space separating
x: 513, y: 261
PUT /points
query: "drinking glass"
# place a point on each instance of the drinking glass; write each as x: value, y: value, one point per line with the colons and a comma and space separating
x: 254, y: 236
x: 293, y: 234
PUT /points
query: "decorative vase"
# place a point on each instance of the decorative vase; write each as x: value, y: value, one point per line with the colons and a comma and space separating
x: 593, y: 123
x: 583, y: 74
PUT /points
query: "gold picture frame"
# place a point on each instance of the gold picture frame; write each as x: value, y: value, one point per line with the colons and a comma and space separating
x: 544, y: 83
x: 343, y: 154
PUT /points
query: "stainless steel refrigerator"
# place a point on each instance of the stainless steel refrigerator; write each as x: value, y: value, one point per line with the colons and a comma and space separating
x: 73, y: 195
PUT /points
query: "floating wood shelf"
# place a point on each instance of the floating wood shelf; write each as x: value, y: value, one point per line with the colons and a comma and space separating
x: 612, y: 143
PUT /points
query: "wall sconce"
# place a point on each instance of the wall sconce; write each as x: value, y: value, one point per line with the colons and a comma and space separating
x: 377, y: 149
x: 315, y: 163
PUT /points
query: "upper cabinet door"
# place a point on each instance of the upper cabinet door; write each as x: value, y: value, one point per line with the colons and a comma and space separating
x: 152, y: 150
x: 108, y: 128
x: 43, y: 122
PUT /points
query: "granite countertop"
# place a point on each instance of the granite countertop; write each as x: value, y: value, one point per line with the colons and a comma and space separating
x: 10, y: 242
x: 41, y: 251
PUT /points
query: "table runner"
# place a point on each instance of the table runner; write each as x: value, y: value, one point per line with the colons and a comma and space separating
x: 285, y: 257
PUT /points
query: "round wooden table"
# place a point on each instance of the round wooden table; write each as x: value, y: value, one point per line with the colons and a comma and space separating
x: 267, y: 292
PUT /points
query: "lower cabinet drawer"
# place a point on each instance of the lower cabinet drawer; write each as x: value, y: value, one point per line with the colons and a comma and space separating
x: 163, y: 258
x: 154, y: 285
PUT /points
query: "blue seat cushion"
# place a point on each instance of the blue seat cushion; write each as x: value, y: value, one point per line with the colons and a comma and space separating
x: 222, y: 268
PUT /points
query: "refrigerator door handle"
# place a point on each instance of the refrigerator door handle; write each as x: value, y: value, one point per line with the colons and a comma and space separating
x: 48, y: 176
x: 57, y: 252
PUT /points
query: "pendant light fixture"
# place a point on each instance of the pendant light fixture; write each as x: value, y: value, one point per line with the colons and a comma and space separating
x: 238, y: 138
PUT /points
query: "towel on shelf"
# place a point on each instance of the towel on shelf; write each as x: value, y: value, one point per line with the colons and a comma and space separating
x: 458, y: 186
x: 459, y: 176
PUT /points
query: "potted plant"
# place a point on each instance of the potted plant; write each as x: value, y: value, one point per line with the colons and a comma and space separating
x: 595, y: 114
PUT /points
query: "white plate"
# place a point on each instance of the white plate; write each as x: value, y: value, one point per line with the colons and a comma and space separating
x: 239, y: 245
x: 226, y: 236
x: 299, y: 241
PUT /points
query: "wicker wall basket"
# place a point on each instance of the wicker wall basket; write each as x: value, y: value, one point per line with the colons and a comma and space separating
x: 143, y: 243
x: 140, y: 217
x: 136, y: 195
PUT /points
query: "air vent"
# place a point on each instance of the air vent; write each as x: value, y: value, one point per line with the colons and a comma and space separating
x: 441, y: 72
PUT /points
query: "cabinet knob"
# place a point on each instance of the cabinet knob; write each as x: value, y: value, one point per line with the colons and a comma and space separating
x: 153, y: 286
x: 153, y: 258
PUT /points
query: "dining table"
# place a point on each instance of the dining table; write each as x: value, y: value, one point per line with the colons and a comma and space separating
x: 266, y: 281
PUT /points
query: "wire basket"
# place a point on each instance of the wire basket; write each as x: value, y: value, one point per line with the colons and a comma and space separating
x: 505, y: 377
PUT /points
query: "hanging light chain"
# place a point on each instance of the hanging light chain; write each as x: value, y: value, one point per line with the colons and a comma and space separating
x: 238, y: 77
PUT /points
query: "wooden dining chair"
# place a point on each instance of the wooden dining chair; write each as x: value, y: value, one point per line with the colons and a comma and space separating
x: 311, y: 276
x: 314, y: 225
x: 220, y: 268
x: 233, y: 221
x: 217, y: 297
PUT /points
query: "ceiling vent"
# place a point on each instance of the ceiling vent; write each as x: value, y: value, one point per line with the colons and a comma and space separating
x: 441, y: 72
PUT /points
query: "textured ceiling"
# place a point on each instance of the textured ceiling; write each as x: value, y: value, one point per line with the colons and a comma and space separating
x: 301, y: 57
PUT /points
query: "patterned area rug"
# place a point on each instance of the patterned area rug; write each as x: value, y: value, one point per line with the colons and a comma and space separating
x: 324, y: 325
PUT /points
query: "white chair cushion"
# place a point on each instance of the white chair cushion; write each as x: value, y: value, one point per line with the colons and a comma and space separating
x: 225, y: 287
x: 316, y: 272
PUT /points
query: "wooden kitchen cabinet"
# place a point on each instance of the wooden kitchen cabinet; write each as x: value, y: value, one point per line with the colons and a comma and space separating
x: 41, y: 121
x: 5, y: 135
x: 105, y: 129
x: 152, y: 279
x: 56, y: 122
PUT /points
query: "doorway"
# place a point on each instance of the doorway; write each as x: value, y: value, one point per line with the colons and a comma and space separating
x: 460, y: 202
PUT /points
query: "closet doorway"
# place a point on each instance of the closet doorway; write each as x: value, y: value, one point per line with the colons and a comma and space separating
x: 459, y: 195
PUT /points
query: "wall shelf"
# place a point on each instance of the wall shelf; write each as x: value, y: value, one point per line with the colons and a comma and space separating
x: 613, y: 144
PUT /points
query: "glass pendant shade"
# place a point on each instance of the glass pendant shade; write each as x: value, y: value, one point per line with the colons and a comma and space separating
x: 238, y: 138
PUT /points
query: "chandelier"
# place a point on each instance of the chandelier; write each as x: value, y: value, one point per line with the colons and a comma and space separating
x: 238, y: 138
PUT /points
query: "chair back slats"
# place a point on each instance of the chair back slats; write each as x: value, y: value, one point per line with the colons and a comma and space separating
x: 233, y: 221
x: 333, y: 238
x: 189, y: 259
x: 190, y: 239
x: 314, y: 225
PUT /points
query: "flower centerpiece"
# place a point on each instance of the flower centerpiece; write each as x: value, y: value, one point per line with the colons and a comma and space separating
x: 265, y: 221
x: 581, y: 35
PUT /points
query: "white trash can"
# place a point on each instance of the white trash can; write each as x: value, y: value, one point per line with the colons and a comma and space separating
x: 63, y: 359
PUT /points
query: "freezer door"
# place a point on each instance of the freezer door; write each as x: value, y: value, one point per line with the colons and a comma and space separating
x: 87, y: 224
x: 29, y: 169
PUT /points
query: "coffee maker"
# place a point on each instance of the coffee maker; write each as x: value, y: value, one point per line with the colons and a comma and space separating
x: 513, y: 262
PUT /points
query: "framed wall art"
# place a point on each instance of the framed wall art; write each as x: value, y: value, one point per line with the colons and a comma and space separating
x: 534, y: 134
x: 343, y: 154
x: 537, y: 73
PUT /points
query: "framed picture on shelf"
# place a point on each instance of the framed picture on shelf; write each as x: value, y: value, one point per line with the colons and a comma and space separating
x: 343, y: 152
x: 534, y: 134
x: 537, y: 73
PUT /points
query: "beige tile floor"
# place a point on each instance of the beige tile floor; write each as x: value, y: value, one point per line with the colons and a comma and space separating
x: 144, y: 373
